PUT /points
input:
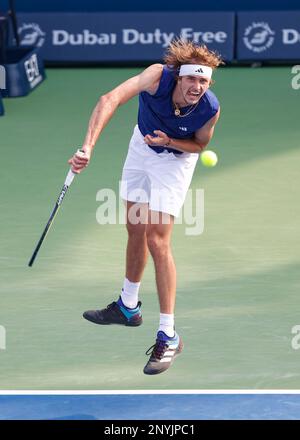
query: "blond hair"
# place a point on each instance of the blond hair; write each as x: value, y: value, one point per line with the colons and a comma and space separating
x: 187, y: 52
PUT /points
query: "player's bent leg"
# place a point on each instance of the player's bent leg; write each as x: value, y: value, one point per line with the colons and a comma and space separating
x: 136, y: 257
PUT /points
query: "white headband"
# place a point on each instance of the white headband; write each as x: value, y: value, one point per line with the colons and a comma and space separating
x: 195, y: 69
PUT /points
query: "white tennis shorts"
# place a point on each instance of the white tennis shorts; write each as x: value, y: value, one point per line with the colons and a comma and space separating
x: 161, y: 180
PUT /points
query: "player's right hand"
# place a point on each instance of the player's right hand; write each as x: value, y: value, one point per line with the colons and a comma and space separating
x: 80, y: 160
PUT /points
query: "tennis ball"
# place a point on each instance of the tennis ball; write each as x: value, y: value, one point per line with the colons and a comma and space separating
x: 209, y: 158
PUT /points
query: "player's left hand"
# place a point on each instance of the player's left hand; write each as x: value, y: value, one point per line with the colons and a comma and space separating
x: 158, y: 140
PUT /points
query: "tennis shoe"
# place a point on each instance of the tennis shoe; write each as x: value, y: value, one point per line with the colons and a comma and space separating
x: 116, y: 313
x: 163, y: 353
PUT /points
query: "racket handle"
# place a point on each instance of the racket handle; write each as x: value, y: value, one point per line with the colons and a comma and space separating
x: 71, y: 175
x: 69, y: 178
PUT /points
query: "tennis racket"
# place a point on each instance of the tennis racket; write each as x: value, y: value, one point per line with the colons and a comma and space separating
x: 68, y: 181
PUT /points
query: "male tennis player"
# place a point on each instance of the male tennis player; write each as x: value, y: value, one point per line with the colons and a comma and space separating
x: 176, y: 119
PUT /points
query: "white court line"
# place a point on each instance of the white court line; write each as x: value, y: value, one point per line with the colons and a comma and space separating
x: 141, y: 392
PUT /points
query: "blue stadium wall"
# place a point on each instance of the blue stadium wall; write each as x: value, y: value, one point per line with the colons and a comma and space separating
x: 153, y: 5
x: 93, y: 31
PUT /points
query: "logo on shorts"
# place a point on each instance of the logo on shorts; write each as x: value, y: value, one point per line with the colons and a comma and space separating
x: 258, y: 37
x: 31, y: 35
x: 183, y: 128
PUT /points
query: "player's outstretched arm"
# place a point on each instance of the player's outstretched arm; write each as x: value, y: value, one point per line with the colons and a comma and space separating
x: 148, y: 81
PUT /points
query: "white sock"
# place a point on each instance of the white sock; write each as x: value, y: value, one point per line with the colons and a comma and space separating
x: 166, y: 324
x: 130, y: 293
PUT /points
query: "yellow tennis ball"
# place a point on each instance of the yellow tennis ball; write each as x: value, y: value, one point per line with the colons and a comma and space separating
x: 209, y: 158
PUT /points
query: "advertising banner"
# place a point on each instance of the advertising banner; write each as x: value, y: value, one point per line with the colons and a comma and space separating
x: 268, y: 35
x: 121, y: 37
x: 24, y: 71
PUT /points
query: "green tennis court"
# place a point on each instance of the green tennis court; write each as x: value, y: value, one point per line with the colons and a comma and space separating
x: 238, y: 282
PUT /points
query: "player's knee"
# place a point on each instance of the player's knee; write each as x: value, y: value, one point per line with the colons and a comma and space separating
x: 136, y: 230
x: 157, y: 244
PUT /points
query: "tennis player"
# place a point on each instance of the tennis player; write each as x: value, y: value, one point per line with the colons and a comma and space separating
x: 176, y: 119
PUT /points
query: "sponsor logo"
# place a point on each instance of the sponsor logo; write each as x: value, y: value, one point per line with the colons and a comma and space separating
x: 290, y: 36
x: 32, y: 71
x: 62, y: 195
x: 258, y: 37
x: 61, y: 37
x: 31, y: 35
x: 183, y: 128
x: 199, y: 70
x: 133, y: 36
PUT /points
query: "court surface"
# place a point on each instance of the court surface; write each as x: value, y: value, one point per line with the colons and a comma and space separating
x: 238, y: 282
x: 150, y: 407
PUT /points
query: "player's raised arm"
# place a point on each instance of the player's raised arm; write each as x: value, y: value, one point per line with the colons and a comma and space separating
x: 148, y: 81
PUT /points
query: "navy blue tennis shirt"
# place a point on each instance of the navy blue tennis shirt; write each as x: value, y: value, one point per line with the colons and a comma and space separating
x: 156, y: 112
